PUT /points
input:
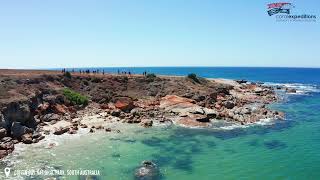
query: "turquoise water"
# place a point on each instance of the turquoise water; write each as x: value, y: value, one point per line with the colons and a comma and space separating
x: 283, y: 150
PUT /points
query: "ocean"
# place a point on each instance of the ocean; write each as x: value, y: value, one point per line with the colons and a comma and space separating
x: 268, y: 150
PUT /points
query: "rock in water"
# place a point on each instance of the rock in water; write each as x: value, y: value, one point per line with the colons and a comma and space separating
x: 291, y: 90
x: 147, y: 171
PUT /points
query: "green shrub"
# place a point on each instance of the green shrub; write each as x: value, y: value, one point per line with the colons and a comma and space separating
x: 67, y: 74
x: 75, y: 97
x: 194, y: 77
x: 151, y: 75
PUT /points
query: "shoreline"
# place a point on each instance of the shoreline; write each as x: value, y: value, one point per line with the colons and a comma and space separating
x: 36, y: 106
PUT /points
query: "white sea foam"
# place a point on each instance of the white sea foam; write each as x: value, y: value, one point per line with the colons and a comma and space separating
x: 300, y: 88
x: 231, y: 126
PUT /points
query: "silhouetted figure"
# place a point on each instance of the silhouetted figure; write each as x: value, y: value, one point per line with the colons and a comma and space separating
x: 102, y: 72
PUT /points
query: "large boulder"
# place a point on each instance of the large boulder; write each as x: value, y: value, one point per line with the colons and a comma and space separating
x: 50, y: 117
x: 17, y: 130
x: 3, y: 153
x: 173, y: 101
x: 147, y: 171
x: 229, y: 104
x: 3, y: 133
x: 200, y: 117
x: 124, y: 104
x: 211, y: 113
x: 17, y: 111
x: 61, y: 130
x: 26, y: 138
x: 7, y: 145
x: 2, y: 121
x: 51, y: 99
x: 59, y: 109
x: 192, y: 122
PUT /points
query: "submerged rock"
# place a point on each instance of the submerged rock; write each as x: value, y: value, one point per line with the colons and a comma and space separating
x: 147, y: 171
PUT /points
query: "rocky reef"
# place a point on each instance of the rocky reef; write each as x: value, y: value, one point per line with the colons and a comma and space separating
x: 34, y: 104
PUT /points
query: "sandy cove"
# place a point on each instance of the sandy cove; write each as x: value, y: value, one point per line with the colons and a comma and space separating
x: 33, y: 104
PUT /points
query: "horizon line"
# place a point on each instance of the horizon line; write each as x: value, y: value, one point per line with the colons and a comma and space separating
x: 54, y: 68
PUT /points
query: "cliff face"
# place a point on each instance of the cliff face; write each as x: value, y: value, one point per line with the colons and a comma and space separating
x: 29, y: 100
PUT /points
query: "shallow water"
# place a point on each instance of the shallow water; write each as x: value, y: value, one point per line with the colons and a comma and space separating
x: 283, y: 150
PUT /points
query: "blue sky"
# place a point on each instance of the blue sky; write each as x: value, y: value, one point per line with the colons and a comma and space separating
x: 77, y: 33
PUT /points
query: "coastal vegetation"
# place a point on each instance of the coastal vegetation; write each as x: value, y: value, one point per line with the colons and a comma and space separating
x: 67, y: 74
x: 74, y: 97
x: 151, y: 77
x: 195, y: 78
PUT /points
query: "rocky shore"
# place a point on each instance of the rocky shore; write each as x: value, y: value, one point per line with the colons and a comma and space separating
x: 34, y: 104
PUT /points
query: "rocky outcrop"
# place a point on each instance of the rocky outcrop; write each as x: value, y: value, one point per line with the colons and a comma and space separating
x: 191, y: 114
x: 17, y: 111
x: 36, y: 102
x: 17, y: 130
x: 125, y: 104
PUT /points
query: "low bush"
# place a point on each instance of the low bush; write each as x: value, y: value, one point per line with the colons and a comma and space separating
x: 194, y: 77
x: 75, y: 98
x: 67, y: 74
x: 150, y: 77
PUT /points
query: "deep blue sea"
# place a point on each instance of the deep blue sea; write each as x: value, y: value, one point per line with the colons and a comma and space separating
x: 281, y: 150
x: 276, y: 75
